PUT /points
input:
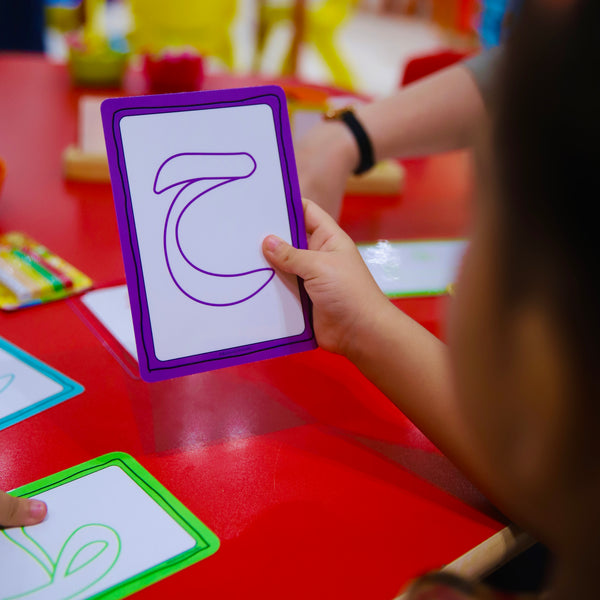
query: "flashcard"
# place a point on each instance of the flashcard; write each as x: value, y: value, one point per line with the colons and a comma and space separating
x: 90, y: 136
x: 111, y: 307
x: 28, y: 386
x: 414, y: 268
x: 111, y: 530
x: 199, y: 180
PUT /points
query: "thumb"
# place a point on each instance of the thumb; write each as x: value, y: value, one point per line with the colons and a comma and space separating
x: 286, y: 258
x: 20, y: 512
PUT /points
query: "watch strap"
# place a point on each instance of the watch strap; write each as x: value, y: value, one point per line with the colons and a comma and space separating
x: 365, y: 148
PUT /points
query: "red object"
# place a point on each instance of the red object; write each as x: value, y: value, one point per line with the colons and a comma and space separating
x: 468, y: 11
x: 422, y: 66
x: 173, y: 73
x: 2, y: 173
x: 317, y: 486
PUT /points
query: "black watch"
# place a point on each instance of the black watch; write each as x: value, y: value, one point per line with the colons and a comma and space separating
x: 365, y: 148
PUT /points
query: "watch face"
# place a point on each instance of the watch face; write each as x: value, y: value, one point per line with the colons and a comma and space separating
x: 336, y: 114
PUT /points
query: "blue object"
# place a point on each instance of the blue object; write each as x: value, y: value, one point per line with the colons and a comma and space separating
x: 65, y: 3
x: 492, y: 25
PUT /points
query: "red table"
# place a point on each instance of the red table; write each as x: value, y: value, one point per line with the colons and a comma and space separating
x: 317, y: 486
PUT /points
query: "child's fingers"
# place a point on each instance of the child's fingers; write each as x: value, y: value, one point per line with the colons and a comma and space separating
x: 315, y: 217
x: 20, y: 512
x: 286, y: 258
x: 320, y: 225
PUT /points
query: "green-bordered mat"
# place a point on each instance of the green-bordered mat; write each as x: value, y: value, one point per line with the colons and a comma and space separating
x: 111, y: 530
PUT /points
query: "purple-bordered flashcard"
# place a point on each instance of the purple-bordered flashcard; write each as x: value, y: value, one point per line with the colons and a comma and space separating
x: 199, y: 179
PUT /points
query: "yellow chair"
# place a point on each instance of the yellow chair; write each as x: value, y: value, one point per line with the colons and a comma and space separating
x: 200, y: 24
x: 313, y: 24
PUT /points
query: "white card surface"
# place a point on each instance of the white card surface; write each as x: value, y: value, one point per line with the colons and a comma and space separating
x: 111, y: 529
x: 29, y: 386
x: 21, y: 385
x: 224, y: 230
x: 414, y: 268
x: 91, y: 137
x: 113, y: 510
x: 111, y: 307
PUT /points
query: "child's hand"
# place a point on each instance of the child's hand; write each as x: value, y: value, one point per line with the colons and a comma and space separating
x: 20, y: 512
x: 346, y: 299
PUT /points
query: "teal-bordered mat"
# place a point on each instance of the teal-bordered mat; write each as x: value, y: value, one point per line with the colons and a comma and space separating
x: 88, y: 543
x: 69, y: 387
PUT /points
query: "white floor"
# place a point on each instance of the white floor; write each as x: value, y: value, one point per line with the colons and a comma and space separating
x: 375, y: 47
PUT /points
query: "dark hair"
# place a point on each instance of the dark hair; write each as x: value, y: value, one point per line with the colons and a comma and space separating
x: 547, y: 145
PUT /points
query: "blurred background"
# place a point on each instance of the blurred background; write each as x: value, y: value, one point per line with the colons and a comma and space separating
x: 359, y: 45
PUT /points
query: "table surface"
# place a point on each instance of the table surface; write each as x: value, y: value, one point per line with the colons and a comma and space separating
x: 315, y: 483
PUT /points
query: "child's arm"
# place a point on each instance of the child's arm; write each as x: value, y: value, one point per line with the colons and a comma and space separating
x: 20, y: 512
x: 437, y: 114
x: 353, y: 317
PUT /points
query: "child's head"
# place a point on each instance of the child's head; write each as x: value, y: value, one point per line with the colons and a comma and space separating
x: 527, y: 322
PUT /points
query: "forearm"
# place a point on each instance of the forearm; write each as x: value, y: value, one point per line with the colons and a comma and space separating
x: 412, y: 368
x: 436, y: 114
